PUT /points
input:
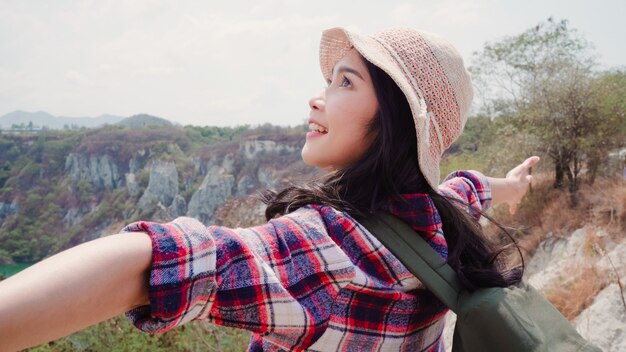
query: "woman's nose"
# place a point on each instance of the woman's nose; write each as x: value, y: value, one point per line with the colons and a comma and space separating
x: 317, y: 101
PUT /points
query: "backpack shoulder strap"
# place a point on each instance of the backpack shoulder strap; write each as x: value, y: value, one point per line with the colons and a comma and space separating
x: 417, y: 255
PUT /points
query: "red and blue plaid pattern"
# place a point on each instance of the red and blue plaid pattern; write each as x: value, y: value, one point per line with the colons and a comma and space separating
x: 312, y: 280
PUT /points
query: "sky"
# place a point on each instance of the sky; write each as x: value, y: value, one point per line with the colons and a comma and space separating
x: 226, y: 63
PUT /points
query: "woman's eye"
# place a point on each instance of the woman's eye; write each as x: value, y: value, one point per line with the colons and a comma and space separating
x: 345, y: 82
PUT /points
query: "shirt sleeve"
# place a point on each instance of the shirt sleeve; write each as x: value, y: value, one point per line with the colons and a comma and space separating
x: 469, y: 187
x: 277, y: 280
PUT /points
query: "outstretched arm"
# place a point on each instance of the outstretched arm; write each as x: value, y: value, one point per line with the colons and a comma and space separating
x: 512, y: 188
x: 76, y: 288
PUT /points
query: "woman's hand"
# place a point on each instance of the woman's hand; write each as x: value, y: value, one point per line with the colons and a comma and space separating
x: 514, y: 186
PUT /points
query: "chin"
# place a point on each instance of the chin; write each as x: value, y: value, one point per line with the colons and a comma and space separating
x: 304, y: 157
x: 315, y: 163
x: 308, y: 158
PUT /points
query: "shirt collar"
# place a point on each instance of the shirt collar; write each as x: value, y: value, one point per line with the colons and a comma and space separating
x: 417, y: 210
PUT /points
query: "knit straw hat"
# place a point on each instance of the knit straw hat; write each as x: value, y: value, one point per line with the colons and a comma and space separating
x: 430, y: 73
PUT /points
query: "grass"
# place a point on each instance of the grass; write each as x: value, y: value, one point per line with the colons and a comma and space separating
x: 118, y: 334
x: 581, y: 286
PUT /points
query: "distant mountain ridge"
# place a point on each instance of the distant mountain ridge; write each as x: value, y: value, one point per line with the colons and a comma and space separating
x: 47, y: 120
x: 70, y: 186
x: 144, y: 120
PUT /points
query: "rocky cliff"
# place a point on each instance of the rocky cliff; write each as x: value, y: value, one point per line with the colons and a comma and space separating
x: 105, y: 178
x: 101, y: 171
x: 7, y: 209
x: 588, y: 263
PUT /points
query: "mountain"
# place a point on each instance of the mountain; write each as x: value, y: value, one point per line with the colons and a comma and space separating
x: 144, y: 120
x: 44, y: 119
x: 61, y: 188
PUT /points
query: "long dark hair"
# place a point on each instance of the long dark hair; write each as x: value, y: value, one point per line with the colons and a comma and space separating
x: 388, y: 169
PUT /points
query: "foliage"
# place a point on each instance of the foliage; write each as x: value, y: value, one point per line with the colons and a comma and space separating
x: 211, y: 134
x: 609, y: 99
x: 486, y: 145
x: 543, y: 80
x: 55, y: 211
x: 5, y: 257
x: 505, y: 69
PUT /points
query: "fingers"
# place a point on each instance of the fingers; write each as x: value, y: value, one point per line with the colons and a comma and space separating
x: 524, y: 168
x: 530, y: 162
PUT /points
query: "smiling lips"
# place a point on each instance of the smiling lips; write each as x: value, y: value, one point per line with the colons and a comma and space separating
x: 314, y: 127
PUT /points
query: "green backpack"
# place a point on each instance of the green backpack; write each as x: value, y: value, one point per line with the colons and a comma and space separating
x: 511, y: 319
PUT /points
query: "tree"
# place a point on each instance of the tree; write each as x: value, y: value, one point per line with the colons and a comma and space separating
x: 544, y: 78
x: 609, y: 94
x: 504, y: 70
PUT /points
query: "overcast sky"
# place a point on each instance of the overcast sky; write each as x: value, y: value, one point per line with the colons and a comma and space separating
x: 234, y: 62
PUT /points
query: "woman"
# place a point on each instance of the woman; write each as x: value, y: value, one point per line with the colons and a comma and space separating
x: 312, y: 277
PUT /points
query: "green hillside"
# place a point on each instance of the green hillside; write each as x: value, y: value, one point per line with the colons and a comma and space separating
x: 60, y: 188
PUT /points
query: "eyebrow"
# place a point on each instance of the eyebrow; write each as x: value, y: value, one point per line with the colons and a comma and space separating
x: 349, y: 70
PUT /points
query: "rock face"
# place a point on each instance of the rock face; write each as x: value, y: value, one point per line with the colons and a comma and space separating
x: 73, y: 216
x: 223, y: 176
x: 137, y: 162
x: 178, y: 207
x: 251, y: 148
x: 131, y: 184
x: 245, y: 185
x: 238, y: 174
x: 553, y: 256
x: 216, y: 187
x: 7, y: 209
x: 268, y: 177
x: 604, y: 322
x: 99, y: 180
x: 162, y: 186
x: 614, y: 262
x: 99, y: 170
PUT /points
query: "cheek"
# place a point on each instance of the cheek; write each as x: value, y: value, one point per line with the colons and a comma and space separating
x: 361, y: 118
x: 362, y: 108
x: 352, y: 141
x: 355, y: 113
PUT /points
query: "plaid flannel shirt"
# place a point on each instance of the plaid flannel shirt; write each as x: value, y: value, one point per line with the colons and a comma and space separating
x: 312, y: 280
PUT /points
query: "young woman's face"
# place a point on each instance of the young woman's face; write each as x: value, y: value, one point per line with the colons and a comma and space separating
x: 340, y: 116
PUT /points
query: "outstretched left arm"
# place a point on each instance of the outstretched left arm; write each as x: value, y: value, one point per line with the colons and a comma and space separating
x: 73, y: 289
